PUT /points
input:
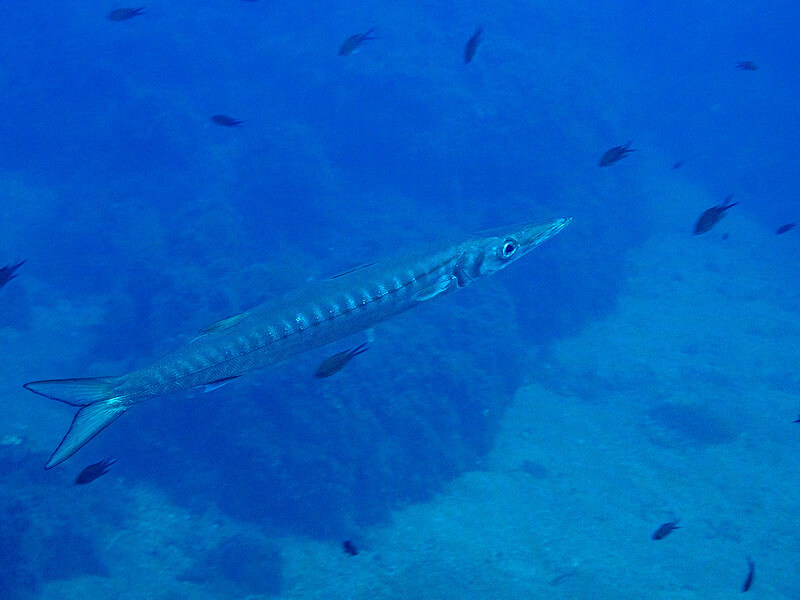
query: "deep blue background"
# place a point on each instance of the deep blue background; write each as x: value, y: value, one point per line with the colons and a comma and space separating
x: 128, y: 201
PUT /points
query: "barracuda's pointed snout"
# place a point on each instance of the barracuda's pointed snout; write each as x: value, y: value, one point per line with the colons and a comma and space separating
x: 530, y: 236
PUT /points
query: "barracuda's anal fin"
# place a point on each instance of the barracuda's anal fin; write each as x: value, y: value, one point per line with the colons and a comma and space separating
x: 214, y: 385
x: 222, y: 324
x: 100, y: 407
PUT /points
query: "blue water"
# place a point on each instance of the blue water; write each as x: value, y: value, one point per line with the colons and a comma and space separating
x: 142, y: 221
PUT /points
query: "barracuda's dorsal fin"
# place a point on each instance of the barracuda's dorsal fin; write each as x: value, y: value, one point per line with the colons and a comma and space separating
x: 353, y: 270
x: 223, y: 324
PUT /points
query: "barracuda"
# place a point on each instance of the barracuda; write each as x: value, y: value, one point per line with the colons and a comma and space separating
x: 273, y: 332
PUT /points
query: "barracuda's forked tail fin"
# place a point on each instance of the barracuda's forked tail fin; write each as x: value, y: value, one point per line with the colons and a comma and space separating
x: 100, y: 406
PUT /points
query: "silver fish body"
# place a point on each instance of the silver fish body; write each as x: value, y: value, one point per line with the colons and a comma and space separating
x: 274, y: 332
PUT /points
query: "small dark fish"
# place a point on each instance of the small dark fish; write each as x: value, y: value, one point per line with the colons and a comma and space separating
x: 751, y: 573
x: 677, y: 165
x: 747, y: 65
x: 713, y: 215
x: 349, y: 548
x: 472, y: 45
x: 352, y: 43
x: 123, y: 14
x: 785, y: 228
x: 614, y: 154
x: 665, y: 529
x: 797, y: 420
x: 7, y: 273
x: 337, y: 362
x: 94, y: 471
x: 226, y: 121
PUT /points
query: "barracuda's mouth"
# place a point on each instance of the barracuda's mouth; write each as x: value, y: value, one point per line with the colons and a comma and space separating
x: 539, y: 233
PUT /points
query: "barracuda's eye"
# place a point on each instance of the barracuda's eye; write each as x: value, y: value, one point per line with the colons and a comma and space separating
x: 509, y: 248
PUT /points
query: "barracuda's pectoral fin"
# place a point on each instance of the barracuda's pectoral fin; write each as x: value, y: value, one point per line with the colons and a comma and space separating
x: 99, y: 408
x: 445, y: 284
x: 223, y: 324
